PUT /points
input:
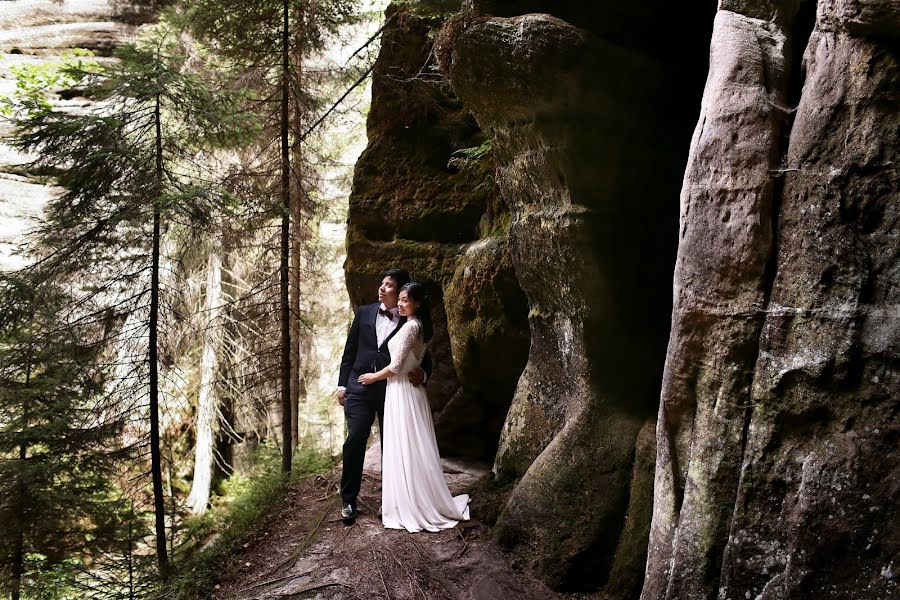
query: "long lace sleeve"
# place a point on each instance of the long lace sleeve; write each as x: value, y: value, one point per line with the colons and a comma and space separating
x: 409, y: 336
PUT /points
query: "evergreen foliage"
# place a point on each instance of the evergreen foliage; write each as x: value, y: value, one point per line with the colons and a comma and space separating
x: 270, y: 45
x: 60, y: 439
x: 127, y: 167
x: 188, y: 151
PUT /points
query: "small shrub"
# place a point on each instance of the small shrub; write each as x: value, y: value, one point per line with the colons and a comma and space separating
x: 236, y: 516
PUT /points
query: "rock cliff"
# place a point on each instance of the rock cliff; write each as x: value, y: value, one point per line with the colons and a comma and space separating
x: 777, y: 462
x: 589, y: 163
x: 770, y: 383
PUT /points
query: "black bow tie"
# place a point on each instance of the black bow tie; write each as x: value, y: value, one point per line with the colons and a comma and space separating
x: 387, y: 313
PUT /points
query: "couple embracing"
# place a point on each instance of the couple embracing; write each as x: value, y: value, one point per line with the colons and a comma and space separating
x: 383, y: 371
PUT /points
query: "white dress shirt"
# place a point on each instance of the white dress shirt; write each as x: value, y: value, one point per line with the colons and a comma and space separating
x: 384, y: 326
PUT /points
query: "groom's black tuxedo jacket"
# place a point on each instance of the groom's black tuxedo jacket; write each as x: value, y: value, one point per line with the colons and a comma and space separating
x: 363, y: 355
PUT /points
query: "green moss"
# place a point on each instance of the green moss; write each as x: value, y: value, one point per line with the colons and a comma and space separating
x: 430, y: 8
x: 489, y: 496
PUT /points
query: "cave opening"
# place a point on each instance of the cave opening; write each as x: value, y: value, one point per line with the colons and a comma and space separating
x: 636, y: 240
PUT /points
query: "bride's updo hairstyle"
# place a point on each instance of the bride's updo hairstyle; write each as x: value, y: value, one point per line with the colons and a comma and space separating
x: 416, y: 293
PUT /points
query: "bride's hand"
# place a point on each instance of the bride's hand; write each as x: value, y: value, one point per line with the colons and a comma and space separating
x: 367, y: 378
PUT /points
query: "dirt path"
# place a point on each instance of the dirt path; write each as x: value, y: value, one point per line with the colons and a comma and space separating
x: 305, y: 551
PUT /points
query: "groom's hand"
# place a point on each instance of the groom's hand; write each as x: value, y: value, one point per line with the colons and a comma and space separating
x: 340, y: 396
x: 417, y: 376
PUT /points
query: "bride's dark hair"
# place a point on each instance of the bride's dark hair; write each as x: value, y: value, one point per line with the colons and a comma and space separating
x: 416, y: 292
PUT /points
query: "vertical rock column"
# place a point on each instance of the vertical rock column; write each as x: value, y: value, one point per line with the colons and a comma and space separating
x: 816, y: 510
x: 777, y: 462
x: 721, y: 283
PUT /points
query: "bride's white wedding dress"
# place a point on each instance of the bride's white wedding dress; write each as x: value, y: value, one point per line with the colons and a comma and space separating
x: 414, y: 493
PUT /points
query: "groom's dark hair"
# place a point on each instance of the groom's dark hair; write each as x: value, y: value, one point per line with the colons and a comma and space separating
x: 401, y: 276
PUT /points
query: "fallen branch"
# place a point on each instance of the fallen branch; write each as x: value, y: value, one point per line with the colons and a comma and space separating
x: 344, y: 537
x: 371, y: 39
x: 408, y: 574
x: 294, y: 593
x: 377, y: 566
x: 336, y: 104
x: 465, y: 543
x: 276, y: 580
x: 368, y: 506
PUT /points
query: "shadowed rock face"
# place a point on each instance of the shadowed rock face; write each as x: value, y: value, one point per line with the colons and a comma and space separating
x: 777, y: 458
x: 773, y: 473
x: 721, y: 284
x: 411, y: 208
x: 578, y: 128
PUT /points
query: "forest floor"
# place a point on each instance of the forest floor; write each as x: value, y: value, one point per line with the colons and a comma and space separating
x: 304, y: 550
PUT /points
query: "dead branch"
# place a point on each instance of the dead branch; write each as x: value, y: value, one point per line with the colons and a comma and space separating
x: 344, y: 537
x: 408, y: 574
x: 275, y: 580
x: 313, y: 588
x: 377, y: 566
x: 465, y: 543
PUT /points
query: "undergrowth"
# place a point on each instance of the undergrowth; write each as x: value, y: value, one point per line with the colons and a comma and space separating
x: 235, y: 518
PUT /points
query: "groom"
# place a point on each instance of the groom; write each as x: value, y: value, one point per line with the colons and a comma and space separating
x: 366, y: 351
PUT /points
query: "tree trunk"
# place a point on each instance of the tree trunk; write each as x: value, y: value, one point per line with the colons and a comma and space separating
x: 131, y: 552
x: 173, y: 508
x: 19, y: 549
x: 296, y: 240
x: 159, y: 506
x: 285, y: 252
x: 207, y: 399
x: 296, y: 244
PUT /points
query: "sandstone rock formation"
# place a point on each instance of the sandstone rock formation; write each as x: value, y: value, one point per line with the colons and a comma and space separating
x: 773, y: 473
x: 777, y: 460
x: 31, y: 32
x: 576, y: 126
x: 410, y: 207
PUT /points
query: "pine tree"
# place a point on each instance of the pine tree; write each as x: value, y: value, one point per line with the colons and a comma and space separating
x: 60, y: 436
x: 269, y: 42
x: 130, y: 169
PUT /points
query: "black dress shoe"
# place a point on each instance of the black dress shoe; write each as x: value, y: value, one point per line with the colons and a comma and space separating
x: 348, y: 512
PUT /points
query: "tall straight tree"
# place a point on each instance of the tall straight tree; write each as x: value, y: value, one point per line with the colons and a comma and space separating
x: 270, y: 40
x: 286, y: 446
x: 129, y: 167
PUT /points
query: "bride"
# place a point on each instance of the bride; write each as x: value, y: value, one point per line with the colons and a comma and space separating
x: 414, y: 493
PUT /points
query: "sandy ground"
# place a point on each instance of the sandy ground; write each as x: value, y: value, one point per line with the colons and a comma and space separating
x: 306, y: 551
